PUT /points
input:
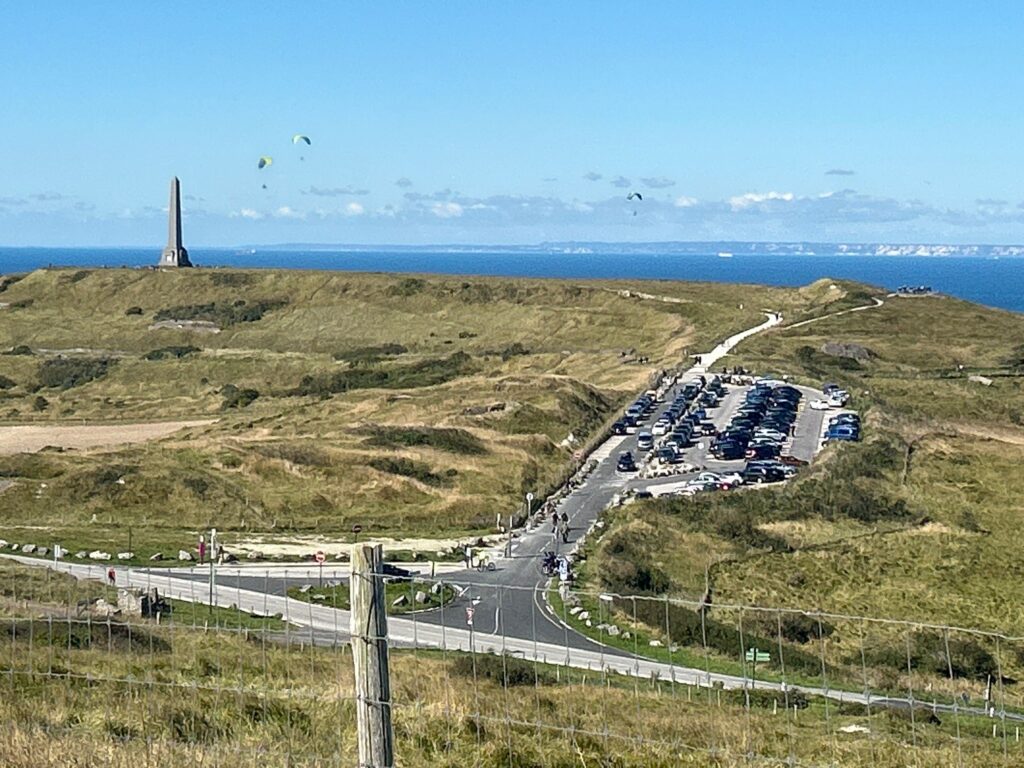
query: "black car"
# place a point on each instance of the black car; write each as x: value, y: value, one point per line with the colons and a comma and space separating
x: 757, y: 475
x: 619, y: 427
x: 763, y: 451
x: 626, y: 462
x: 729, y: 451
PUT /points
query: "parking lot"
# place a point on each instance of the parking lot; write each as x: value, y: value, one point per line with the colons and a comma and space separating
x: 747, y: 430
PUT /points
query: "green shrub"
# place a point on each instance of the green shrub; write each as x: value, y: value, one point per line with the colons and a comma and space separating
x: 171, y: 353
x: 373, y: 354
x: 408, y: 468
x: 22, y: 303
x: 236, y: 397
x: 133, y: 311
x: 450, y: 440
x: 8, y: 280
x: 408, y: 286
x: 7, y: 383
x: 222, y: 314
x: 68, y: 372
x: 507, y: 671
x: 426, y: 373
x: 75, y: 277
x: 40, y: 403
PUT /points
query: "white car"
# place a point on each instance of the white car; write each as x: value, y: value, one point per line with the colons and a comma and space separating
x: 660, y: 428
x: 732, y: 479
x: 771, y: 434
x: 819, y: 405
x: 839, y: 398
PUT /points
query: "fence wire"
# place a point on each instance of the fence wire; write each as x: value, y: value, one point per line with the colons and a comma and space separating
x: 484, y: 674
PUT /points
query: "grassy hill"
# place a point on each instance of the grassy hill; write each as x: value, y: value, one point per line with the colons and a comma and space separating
x: 405, y: 404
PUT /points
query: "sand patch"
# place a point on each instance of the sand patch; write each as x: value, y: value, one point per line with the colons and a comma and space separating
x: 29, y: 438
x: 301, y: 546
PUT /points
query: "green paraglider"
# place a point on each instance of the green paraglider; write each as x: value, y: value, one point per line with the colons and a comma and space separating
x: 299, y: 137
x: 265, y: 161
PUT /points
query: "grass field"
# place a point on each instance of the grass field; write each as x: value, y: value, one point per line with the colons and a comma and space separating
x: 115, y: 694
x: 407, y: 405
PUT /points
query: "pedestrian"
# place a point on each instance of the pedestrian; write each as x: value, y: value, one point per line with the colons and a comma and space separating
x: 469, y: 557
x: 563, y: 529
x: 202, y: 549
x: 554, y: 521
x: 112, y: 577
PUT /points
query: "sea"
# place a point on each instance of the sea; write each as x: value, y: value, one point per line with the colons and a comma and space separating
x: 997, y: 282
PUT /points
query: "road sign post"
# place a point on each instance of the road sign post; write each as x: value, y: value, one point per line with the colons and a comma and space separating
x: 320, y: 557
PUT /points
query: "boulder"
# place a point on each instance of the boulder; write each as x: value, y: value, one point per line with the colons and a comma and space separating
x: 435, y: 588
x: 583, y: 615
x: 42, y: 551
x: 103, y: 609
x: 15, y: 546
x: 319, y: 597
x: 984, y: 380
x: 626, y: 635
x: 3, y: 543
x: 184, y: 555
x: 253, y: 555
x: 157, y: 556
x: 28, y: 549
x: 98, y: 554
x: 574, y: 610
x: 614, y: 631
x: 587, y: 622
x: 655, y: 643
x: 125, y: 555
x: 305, y: 588
x: 81, y: 555
x: 420, y: 597
x: 400, y: 600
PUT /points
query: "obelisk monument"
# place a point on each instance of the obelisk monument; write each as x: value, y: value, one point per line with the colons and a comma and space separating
x: 174, y: 254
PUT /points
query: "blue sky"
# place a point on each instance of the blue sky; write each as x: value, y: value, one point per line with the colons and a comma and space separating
x: 464, y: 122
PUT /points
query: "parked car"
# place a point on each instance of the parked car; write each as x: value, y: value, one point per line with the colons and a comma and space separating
x: 729, y: 451
x: 819, y: 405
x: 644, y: 440
x: 619, y: 427
x: 759, y: 475
x: 792, y: 461
x: 659, y: 428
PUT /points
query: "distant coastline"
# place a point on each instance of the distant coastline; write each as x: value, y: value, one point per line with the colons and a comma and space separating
x: 990, y: 279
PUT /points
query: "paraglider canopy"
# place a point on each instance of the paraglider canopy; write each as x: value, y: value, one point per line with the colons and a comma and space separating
x: 634, y: 195
x: 299, y: 137
x: 265, y: 161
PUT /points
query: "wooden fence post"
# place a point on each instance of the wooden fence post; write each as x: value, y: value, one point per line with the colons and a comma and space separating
x: 369, y: 629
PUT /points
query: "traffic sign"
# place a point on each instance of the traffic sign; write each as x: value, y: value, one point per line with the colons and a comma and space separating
x: 357, y: 528
x: 320, y: 557
x: 529, y: 496
x: 758, y: 656
x: 470, y: 610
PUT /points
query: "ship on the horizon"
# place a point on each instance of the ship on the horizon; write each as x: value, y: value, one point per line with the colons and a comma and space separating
x: 724, y: 255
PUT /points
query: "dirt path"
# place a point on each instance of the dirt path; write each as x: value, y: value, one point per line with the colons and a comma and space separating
x: 29, y: 438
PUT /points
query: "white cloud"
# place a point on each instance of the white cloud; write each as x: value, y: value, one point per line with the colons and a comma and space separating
x: 246, y: 213
x: 657, y: 182
x: 592, y: 176
x: 354, y: 209
x: 739, y: 202
x: 685, y: 201
x: 446, y: 210
x: 286, y: 212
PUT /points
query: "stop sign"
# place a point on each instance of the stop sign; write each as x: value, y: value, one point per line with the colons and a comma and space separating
x: 320, y: 557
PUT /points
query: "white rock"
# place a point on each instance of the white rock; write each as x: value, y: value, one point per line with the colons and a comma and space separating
x: 184, y: 555
x: 81, y: 555
x: 583, y: 615
x: 574, y: 610
x: 125, y: 555
x: 253, y: 555
x: 42, y: 551
x: 28, y: 549
x: 97, y: 554
x: 614, y: 631
x: 3, y: 543
x: 400, y: 600
x: 157, y: 556
x: 655, y: 643
x: 435, y: 588
x: 421, y: 597
x: 305, y: 588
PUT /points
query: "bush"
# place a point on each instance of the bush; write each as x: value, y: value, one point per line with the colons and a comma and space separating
x: 221, y: 313
x: 514, y: 350
x: 967, y: 658
x: 40, y: 403
x: 426, y: 373
x: 371, y: 354
x: 67, y: 372
x: 171, y: 353
x: 443, y: 439
x: 408, y: 286
x: 75, y: 277
x: 7, y: 383
x: 22, y: 303
x: 235, y: 397
x: 133, y: 311
x: 507, y: 671
x: 408, y: 468
x: 8, y: 280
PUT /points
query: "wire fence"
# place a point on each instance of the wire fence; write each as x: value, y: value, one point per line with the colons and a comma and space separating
x: 107, y: 672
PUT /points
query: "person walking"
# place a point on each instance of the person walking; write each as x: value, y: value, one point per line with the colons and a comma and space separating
x: 554, y: 521
x: 563, y: 527
x: 112, y: 577
x: 469, y: 557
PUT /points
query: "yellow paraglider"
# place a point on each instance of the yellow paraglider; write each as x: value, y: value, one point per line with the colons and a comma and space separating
x: 265, y: 161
